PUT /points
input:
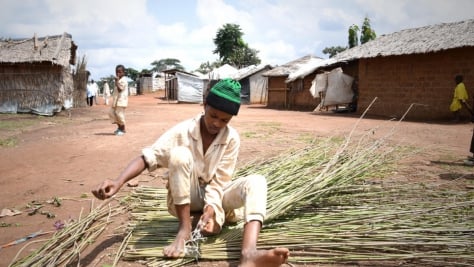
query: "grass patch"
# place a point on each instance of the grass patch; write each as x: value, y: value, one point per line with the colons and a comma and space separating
x: 8, y: 142
x: 249, y: 134
x: 16, y: 123
x: 305, y: 138
x: 274, y: 125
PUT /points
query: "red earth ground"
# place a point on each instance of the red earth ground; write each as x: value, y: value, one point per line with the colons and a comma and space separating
x: 67, y: 155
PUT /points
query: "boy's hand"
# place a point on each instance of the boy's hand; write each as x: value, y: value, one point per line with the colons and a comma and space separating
x: 207, y: 223
x: 107, y: 189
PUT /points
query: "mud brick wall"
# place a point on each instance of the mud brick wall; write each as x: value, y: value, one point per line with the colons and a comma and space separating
x: 424, y: 79
x: 277, y: 92
x: 293, y: 96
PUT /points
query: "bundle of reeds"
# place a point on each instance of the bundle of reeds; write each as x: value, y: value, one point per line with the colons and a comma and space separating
x: 322, y: 208
x: 295, y: 179
x: 65, y: 246
x: 412, y: 223
x: 80, y: 77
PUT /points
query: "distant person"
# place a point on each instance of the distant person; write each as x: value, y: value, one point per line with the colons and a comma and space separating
x: 355, y: 97
x: 106, y: 94
x: 139, y: 89
x: 459, y: 98
x: 95, y: 91
x: 120, y: 100
x: 470, y: 159
x: 90, y: 93
x: 201, y: 155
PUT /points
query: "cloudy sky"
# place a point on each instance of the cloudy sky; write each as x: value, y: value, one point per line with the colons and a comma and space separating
x: 135, y: 33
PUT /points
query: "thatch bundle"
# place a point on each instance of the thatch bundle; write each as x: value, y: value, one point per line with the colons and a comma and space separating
x: 66, y: 245
x: 372, y: 223
x: 80, y: 77
x: 322, y: 208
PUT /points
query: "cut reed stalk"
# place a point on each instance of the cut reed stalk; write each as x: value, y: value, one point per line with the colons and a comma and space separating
x: 66, y: 245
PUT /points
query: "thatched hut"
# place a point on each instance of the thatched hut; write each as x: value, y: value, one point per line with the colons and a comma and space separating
x: 35, y: 74
x: 412, y: 66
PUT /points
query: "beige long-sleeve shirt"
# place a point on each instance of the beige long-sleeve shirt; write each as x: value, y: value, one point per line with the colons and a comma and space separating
x: 120, y: 95
x: 215, y: 168
x: 106, y: 89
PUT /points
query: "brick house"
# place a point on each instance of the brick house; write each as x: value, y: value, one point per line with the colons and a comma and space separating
x: 411, y: 70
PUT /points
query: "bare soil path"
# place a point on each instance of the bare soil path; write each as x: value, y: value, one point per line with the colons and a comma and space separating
x: 65, y: 157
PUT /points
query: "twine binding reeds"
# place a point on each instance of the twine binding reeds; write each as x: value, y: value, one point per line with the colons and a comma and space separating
x: 191, y: 247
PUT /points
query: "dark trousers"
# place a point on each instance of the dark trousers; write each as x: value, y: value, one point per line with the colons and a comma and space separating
x: 90, y: 100
x: 472, y: 143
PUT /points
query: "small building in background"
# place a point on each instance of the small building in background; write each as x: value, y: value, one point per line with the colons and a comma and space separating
x: 294, y: 95
x: 183, y: 86
x: 254, y: 84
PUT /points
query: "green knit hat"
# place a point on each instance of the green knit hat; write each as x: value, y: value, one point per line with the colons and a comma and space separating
x: 225, y: 96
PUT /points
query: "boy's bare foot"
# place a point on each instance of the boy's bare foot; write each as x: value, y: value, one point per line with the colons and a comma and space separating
x: 132, y: 183
x: 176, y: 249
x: 265, y: 258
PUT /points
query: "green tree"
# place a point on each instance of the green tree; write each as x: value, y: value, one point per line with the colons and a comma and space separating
x: 333, y: 50
x: 166, y: 64
x: 367, y: 33
x: 145, y: 71
x: 206, y: 67
x: 132, y: 73
x: 232, y: 49
x: 245, y: 56
x: 228, y: 40
x: 353, y: 35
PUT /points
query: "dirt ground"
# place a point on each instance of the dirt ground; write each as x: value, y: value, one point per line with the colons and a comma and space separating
x: 67, y: 155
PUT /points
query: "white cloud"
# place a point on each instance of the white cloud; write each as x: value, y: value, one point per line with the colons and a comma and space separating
x: 135, y: 33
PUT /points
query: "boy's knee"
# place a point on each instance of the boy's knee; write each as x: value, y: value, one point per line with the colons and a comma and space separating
x: 256, y: 182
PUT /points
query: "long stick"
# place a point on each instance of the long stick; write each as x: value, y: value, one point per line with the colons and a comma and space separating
x: 24, y: 239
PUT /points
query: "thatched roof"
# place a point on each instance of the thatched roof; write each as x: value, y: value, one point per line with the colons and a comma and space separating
x: 422, y: 40
x: 58, y: 49
x: 306, y: 69
x: 292, y: 66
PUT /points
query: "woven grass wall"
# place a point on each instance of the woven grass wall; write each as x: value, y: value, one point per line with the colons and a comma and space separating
x: 80, y: 89
x: 40, y: 88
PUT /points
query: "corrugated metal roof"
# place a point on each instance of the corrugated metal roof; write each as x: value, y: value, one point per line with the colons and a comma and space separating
x: 292, y: 66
